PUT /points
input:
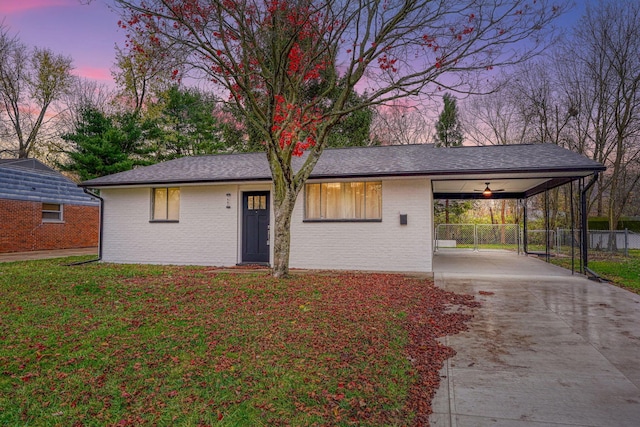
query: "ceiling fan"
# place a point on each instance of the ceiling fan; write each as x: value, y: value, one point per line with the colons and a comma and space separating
x: 487, y: 192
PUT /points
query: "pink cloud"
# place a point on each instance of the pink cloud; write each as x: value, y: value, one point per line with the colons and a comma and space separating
x: 16, y: 6
x: 93, y: 73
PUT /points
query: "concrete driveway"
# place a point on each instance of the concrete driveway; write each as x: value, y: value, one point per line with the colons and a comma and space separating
x: 545, y: 349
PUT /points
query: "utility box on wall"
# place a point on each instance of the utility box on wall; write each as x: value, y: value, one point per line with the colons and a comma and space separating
x: 403, y: 219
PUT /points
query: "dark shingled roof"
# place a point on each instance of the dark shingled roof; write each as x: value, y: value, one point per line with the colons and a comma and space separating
x: 395, y: 160
x: 30, y: 180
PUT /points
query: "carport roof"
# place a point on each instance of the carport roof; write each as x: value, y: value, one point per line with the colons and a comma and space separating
x: 475, y: 165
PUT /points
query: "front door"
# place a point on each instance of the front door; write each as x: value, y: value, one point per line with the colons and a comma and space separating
x: 255, y: 227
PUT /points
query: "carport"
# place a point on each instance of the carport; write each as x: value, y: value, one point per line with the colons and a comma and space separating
x: 514, y: 172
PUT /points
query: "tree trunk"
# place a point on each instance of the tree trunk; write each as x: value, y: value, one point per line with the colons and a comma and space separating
x: 284, y: 202
x: 446, y: 211
x: 286, y: 187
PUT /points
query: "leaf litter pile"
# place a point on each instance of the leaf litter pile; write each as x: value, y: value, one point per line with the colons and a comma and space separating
x: 152, y: 345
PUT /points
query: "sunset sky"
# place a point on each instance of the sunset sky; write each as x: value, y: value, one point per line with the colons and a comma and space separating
x: 86, y: 32
x: 89, y: 32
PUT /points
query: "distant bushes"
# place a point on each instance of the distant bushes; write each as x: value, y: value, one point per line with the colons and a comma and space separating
x: 630, y: 223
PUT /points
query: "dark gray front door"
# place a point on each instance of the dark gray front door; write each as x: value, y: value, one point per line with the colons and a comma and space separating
x: 255, y: 227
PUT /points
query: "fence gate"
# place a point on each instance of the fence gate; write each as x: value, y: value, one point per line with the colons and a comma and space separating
x: 478, y: 236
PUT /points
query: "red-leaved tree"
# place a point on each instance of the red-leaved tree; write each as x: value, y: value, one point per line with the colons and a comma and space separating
x: 289, y: 66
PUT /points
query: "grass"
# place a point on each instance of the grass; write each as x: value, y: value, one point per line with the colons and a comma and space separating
x: 621, y: 271
x: 101, y: 344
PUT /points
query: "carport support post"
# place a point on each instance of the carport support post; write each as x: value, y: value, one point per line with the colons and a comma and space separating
x: 525, y: 240
x: 547, y: 225
x: 518, y: 228
x: 584, y: 232
x: 573, y: 226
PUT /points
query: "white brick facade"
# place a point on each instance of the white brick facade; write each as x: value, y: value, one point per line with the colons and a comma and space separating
x: 206, y: 234
x: 379, y: 246
x: 209, y: 233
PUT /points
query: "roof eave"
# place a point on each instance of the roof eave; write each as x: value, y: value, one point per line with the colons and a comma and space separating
x: 89, y: 184
x: 580, y: 171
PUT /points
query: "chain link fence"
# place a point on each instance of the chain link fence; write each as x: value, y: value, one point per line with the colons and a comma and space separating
x: 539, y: 240
x: 478, y: 236
x: 510, y: 237
x: 456, y: 236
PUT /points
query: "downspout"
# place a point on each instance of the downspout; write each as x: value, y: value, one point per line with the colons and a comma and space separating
x: 584, y: 225
x: 101, y: 222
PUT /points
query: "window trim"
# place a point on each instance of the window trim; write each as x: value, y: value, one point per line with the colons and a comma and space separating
x: 153, y: 206
x: 344, y: 220
x: 59, y: 211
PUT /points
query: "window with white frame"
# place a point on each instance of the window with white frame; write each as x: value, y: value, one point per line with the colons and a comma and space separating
x: 51, y: 212
x: 351, y: 201
x: 165, y: 204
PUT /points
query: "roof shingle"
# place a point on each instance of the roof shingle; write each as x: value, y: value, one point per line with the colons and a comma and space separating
x: 395, y: 160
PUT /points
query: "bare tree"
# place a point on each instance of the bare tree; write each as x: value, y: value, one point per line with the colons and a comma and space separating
x: 269, y: 54
x: 528, y: 106
x: 401, y: 124
x: 605, y: 48
x: 546, y: 111
x: 495, y: 118
x: 85, y: 93
x: 144, y: 66
x: 82, y: 94
x: 30, y: 81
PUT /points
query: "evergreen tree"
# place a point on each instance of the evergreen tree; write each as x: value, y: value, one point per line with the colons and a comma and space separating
x: 185, y: 124
x: 354, y: 129
x: 102, y: 144
x: 448, y: 132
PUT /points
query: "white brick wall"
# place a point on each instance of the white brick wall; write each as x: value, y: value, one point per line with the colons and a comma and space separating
x: 209, y: 234
x: 205, y: 235
x: 382, y: 246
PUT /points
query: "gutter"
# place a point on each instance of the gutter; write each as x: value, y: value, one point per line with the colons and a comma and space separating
x: 99, y: 231
x: 584, y: 225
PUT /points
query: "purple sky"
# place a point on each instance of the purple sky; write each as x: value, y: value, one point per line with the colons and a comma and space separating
x: 88, y: 33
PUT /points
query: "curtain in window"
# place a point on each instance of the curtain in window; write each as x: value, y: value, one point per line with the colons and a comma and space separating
x: 312, y: 206
x: 160, y: 203
x: 374, y: 200
x: 166, y: 204
x: 343, y: 200
x: 173, y: 208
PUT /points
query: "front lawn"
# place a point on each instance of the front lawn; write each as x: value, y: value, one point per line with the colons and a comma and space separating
x: 102, y: 344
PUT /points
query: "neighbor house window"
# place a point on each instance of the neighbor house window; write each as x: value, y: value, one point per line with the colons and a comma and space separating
x: 343, y: 201
x: 51, y: 212
x: 165, y: 204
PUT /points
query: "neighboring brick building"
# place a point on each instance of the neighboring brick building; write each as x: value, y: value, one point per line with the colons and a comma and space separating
x: 41, y: 209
